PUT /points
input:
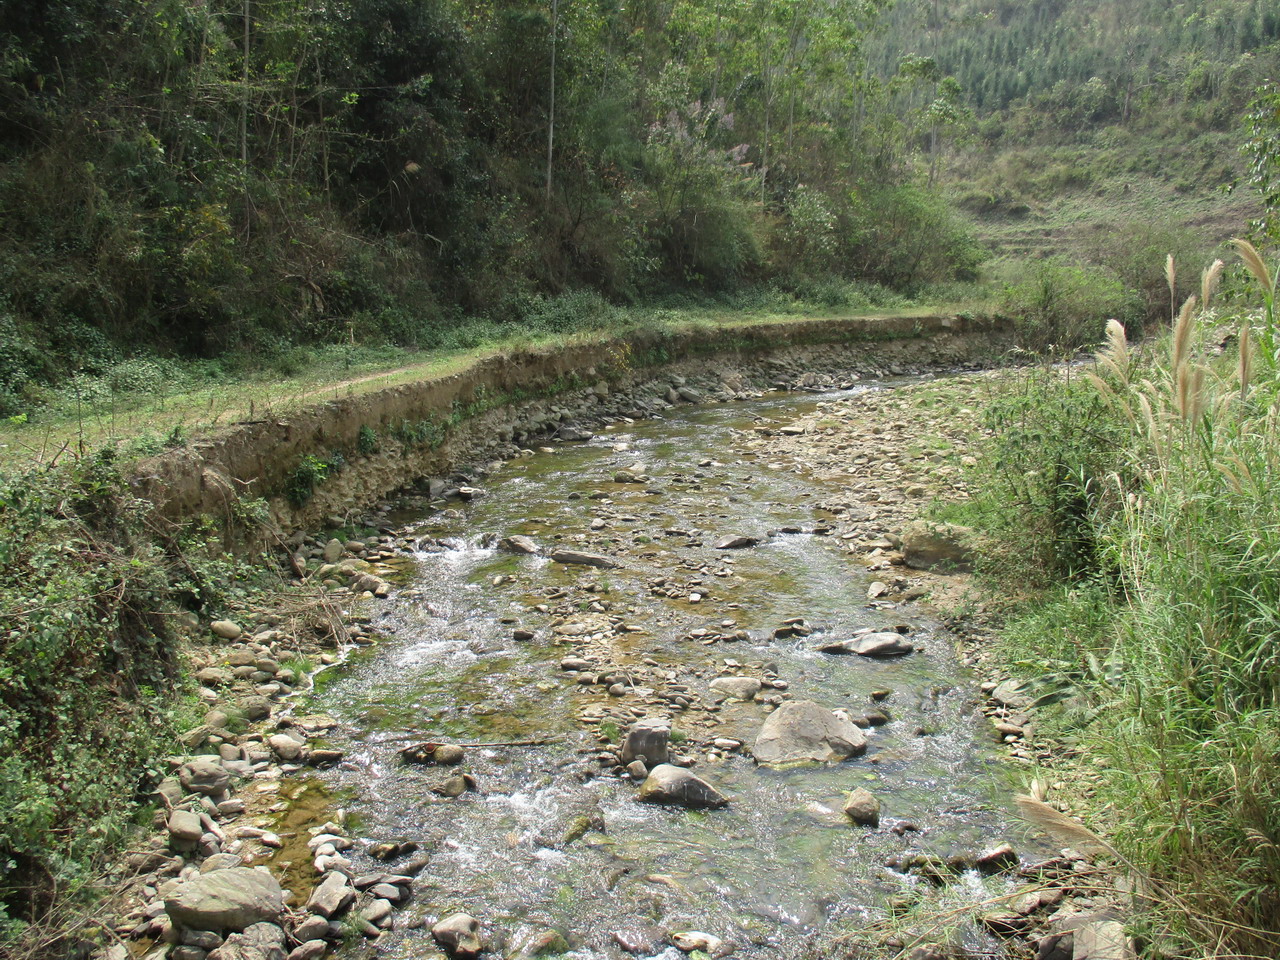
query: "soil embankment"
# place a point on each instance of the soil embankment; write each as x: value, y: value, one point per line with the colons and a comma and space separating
x: 393, y: 437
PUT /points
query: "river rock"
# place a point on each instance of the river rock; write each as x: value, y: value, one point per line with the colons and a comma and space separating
x: 736, y: 543
x: 538, y: 943
x: 802, y: 731
x: 332, y: 897
x: 204, y: 775
x: 641, y: 939
x: 862, y: 808
x: 308, y: 950
x: 226, y: 629
x: 739, y: 688
x: 314, y: 927
x: 648, y: 740
x: 226, y: 899
x: 1101, y: 940
x: 449, y: 754
x: 255, y: 707
x: 691, y: 940
x: 212, y: 677
x: 332, y: 551
x: 185, y: 829
x: 518, y: 544
x: 378, y: 912
x: 585, y: 559
x: 459, y: 934
x: 261, y: 941
x: 669, y: 784
x: 882, y: 645
x: 947, y: 548
x: 886, y: 644
x: 998, y: 858
x: 285, y: 747
x: 1009, y: 694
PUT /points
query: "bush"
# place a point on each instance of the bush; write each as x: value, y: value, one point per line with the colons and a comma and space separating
x: 904, y: 236
x: 1046, y: 476
x: 1136, y: 251
x: 1059, y: 307
x: 85, y: 658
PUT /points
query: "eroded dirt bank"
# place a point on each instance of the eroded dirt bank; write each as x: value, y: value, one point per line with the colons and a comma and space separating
x: 395, y: 436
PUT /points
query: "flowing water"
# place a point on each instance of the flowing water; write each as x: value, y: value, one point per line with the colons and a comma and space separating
x: 551, y: 839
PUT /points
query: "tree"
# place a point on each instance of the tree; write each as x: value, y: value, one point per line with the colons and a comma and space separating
x: 1262, y: 148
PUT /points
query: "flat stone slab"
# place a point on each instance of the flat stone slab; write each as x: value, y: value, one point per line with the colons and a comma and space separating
x: 585, y: 559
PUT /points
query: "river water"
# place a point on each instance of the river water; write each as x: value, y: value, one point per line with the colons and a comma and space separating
x: 553, y: 839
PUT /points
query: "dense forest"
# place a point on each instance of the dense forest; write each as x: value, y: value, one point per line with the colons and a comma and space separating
x: 242, y: 176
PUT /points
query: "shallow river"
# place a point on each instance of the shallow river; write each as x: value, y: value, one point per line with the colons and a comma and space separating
x: 781, y: 870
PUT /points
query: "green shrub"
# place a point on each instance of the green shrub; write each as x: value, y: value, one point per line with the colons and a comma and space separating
x: 904, y: 236
x: 310, y: 472
x: 1046, y: 476
x: 1059, y: 307
x: 86, y: 663
x: 1136, y: 251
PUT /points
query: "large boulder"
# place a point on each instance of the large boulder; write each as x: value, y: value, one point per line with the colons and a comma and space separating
x: 675, y: 785
x: 226, y: 900
x: 802, y: 731
x: 648, y: 740
x: 947, y: 547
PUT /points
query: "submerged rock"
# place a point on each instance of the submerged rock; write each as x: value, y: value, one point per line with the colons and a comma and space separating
x: 736, y: 543
x: 668, y: 784
x: 802, y: 731
x: 691, y: 940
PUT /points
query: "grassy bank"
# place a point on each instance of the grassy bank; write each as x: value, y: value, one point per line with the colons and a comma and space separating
x: 1135, y: 514
x: 140, y: 405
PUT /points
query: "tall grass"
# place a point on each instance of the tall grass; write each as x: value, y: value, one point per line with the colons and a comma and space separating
x: 1187, y: 565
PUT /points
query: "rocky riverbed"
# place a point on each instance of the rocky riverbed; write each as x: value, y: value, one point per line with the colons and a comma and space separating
x: 654, y: 688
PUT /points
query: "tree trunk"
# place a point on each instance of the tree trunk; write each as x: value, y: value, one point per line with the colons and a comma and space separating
x: 551, y: 124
